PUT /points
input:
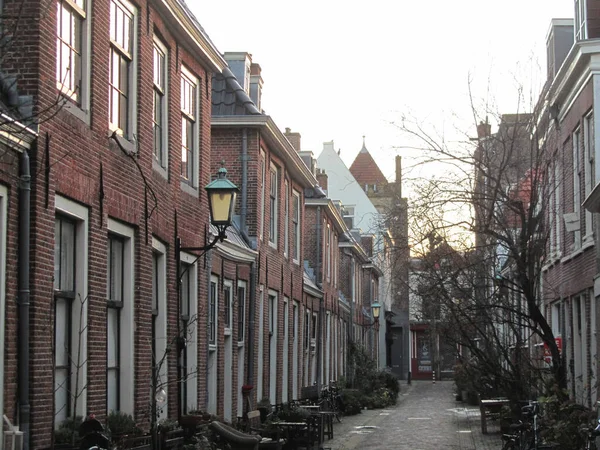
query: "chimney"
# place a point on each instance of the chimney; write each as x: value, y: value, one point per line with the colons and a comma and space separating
x: 239, y: 63
x: 484, y: 130
x: 367, y: 244
x: 399, y: 174
x: 558, y: 44
x: 322, y: 179
x: 294, y: 139
x: 256, y: 84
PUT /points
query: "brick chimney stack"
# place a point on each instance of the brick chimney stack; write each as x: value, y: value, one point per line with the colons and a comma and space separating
x: 399, y: 174
x: 322, y: 179
x: 294, y: 138
x: 256, y: 85
x: 484, y: 130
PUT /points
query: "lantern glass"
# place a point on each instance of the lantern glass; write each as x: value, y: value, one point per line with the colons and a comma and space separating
x: 376, y: 307
x: 221, y: 206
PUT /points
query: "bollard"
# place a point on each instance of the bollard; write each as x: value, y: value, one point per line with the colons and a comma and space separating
x: 434, y: 377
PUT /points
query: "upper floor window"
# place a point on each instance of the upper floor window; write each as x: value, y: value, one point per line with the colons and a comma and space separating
x: 122, y: 70
x: 159, y: 117
x: 286, y: 220
x: 328, y: 251
x: 296, y: 226
x: 577, y: 183
x: 273, y: 204
x: 241, y: 311
x: 189, y: 127
x: 227, y: 307
x: 349, y: 217
x: 580, y: 20
x: 588, y: 163
x: 263, y: 177
x: 71, y: 31
x: 212, y: 314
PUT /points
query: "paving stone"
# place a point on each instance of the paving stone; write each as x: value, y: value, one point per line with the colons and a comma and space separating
x: 427, y: 417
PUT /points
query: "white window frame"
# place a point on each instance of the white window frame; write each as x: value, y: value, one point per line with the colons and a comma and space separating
x: 273, y: 205
x: 131, y: 114
x: 261, y: 342
x: 577, y: 181
x: 213, y: 313
x: 3, y: 234
x: 580, y: 27
x: 263, y: 176
x: 328, y: 251
x: 296, y: 220
x: 350, y: 211
x: 127, y: 316
x: 160, y: 162
x: 189, y: 183
x: 242, y: 286
x: 286, y: 223
x: 228, y: 308
x: 80, y: 214
x: 588, y: 154
x: 213, y: 357
x: 78, y: 103
x: 159, y: 311
x: 191, y: 335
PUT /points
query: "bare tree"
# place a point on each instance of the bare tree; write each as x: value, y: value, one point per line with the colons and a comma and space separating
x: 480, y: 228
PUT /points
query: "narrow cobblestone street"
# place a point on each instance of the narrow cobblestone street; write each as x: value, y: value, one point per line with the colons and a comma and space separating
x: 427, y: 417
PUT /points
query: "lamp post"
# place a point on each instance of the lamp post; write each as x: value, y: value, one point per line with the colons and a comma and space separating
x: 221, y: 201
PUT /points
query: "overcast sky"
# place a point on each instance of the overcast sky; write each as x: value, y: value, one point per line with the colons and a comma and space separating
x: 338, y: 70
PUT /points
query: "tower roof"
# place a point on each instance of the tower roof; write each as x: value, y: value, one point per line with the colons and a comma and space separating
x: 365, y: 170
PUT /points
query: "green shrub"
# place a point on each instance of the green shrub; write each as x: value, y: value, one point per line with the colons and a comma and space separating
x: 353, y: 401
x: 562, y: 422
x: 68, y: 431
x: 119, y: 423
x: 293, y: 414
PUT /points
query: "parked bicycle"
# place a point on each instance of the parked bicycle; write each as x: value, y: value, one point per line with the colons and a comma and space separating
x: 331, y: 400
x: 525, y: 434
x: 592, y: 433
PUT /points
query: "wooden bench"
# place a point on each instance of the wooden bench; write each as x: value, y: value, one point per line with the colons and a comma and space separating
x: 490, y: 409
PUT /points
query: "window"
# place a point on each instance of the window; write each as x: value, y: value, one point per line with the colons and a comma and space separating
x: 589, y: 172
x: 188, y: 325
x: 296, y: 226
x: 119, y: 318
x: 314, y: 326
x: 71, y: 51
x: 263, y: 175
x: 159, y: 121
x: 64, y: 297
x: 328, y: 251
x: 286, y: 224
x: 189, y: 127
x: 272, y: 315
x: 227, y: 310
x: 122, y: 70
x: 115, y: 279
x: 3, y: 233
x: 241, y: 312
x: 349, y: 216
x: 212, y: 314
x: 70, y: 307
x: 577, y: 183
x: 557, y: 206
x: 580, y: 20
x: 159, y: 321
x: 273, y: 205
x: 307, y: 317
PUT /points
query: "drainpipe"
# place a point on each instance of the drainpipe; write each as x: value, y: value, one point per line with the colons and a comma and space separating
x: 319, y: 279
x: 23, y: 296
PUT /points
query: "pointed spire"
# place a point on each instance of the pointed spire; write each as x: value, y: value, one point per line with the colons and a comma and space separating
x: 364, y: 147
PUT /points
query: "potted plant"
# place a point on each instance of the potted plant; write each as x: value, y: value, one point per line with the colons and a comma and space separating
x: 67, y: 433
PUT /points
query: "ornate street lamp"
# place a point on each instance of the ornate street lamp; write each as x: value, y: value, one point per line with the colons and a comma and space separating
x: 221, y: 201
x: 376, y: 309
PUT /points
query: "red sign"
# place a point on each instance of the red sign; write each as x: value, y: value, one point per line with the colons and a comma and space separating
x: 548, y: 353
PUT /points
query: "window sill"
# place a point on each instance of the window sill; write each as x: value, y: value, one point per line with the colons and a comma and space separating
x: 273, y: 245
x: 162, y: 171
x: 76, y: 111
x: 227, y: 331
x: 185, y: 187
x: 127, y: 146
x: 212, y: 347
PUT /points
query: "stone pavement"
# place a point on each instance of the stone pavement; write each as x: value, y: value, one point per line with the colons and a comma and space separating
x: 426, y: 417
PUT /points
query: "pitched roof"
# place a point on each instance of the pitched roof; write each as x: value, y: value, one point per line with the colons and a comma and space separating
x: 229, y: 98
x: 365, y: 170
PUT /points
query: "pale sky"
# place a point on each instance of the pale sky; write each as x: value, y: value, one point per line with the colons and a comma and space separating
x: 338, y: 70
